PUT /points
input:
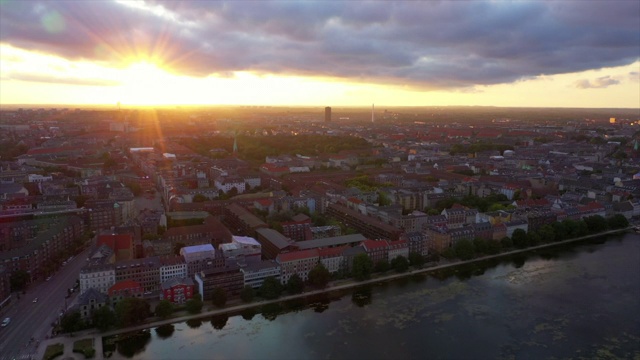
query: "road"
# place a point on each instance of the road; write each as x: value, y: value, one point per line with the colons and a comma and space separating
x: 29, y: 319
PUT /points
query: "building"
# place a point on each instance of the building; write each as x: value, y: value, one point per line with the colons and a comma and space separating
x: 201, y: 257
x: 332, y: 258
x: 298, y: 229
x: 255, y: 273
x: 273, y: 243
x: 145, y: 271
x: 172, y: 267
x: 177, y: 290
x: 229, y: 278
x: 5, y: 288
x: 297, y: 262
x: 327, y: 114
x: 124, y: 289
x: 368, y: 226
x: 378, y: 250
x: 242, y: 222
x: 90, y: 301
x: 121, y: 244
x: 398, y: 248
x: 242, y: 249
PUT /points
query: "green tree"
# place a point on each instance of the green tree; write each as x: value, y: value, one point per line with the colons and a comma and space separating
x: 570, y: 228
x: 132, y: 311
x: 547, y: 233
x: 19, y: 280
x: 194, y: 305
x: 164, y: 309
x: 319, y: 276
x: 533, y: 238
x: 271, y: 288
x: 464, y: 249
x: 519, y: 238
x: 493, y: 247
x: 104, y: 318
x: 247, y: 294
x: 583, y: 229
x: 416, y: 259
x: 383, y: 199
x: 400, y: 264
x: 362, y: 266
x: 199, y: 198
x: 617, y: 221
x: 506, y: 242
x: 295, y: 285
x: 72, y: 321
x: 480, y: 245
x: 219, y: 297
x: 596, y: 224
x: 381, y: 266
x: 560, y: 231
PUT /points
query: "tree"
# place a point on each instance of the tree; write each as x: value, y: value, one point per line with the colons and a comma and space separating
x: 596, y: 224
x: 319, y: 276
x: 400, y: 264
x: 362, y: 266
x: 617, y: 221
x: 570, y: 228
x: 381, y: 266
x: 72, y: 321
x: 19, y: 280
x: 480, y: 245
x: 271, y: 288
x: 560, y: 231
x: 131, y: 311
x: 547, y: 233
x: 519, y: 238
x: 493, y: 247
x: 295, y: 285
x: 194, y: 305
x: 247, y: 294
x: 219, y: 297
x: 533, y: 238
x: 464, y: 249
x: 164, y: 309
x: 199, y: 198
x: 416, y: 259
x: 506, y: 242
x: 177, y: 247
x: 104, y: 318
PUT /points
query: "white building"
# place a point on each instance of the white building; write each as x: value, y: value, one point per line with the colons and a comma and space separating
x: 297, y: 262
x: 172, y: 267
x: 37, y: 178
x: 227, y: 183
x: 254, y: 274
x: 98, y: 277
x: 198, y: 252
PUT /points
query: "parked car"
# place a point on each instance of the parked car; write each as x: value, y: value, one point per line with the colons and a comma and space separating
x: 35, y: 300
x: 6, y: 322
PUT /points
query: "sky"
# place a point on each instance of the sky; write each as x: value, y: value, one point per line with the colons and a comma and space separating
x: 355, y: 53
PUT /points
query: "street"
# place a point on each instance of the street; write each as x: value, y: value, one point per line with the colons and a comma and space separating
x: 33, y: 320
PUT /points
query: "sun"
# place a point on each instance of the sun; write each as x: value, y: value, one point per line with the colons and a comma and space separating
x: 145, y: 83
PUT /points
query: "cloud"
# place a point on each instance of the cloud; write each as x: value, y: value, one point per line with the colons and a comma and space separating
x: 599, y: 83
x: 429, y: 45
x: 44, y: 78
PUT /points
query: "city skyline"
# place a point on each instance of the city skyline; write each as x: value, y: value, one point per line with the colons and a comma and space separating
x: 522, y: 54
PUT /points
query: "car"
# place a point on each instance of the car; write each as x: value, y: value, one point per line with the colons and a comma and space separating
x: 6, y: 322
x: 49, y: 278
x: 35, y: 300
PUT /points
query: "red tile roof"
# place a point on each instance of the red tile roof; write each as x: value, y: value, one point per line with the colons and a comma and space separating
x: 125, y: 285
x: 297, y: 255
x: 116, y: 241
x: 374, y: 244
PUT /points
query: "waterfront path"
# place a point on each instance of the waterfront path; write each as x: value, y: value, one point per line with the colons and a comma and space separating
x: 68, y: 340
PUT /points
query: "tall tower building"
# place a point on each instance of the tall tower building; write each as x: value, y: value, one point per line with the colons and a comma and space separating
x: 327, y: 114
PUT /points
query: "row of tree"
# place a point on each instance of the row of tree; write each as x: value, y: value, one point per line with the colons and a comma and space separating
x: 554, y: 232
x: 363, y: 266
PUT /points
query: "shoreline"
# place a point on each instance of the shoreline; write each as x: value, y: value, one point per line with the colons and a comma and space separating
x: 348, y: 284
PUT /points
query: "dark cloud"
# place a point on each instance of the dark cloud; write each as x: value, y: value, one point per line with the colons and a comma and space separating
x: 435, y: 44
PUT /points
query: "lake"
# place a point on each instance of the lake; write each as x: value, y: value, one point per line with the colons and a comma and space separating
x: 574, y: 301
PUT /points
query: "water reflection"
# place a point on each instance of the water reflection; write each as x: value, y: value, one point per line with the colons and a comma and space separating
x: 219, y: 321
x: 248, y: 314
x: 271, y: 311
x: 194, y: 323
x: 133, y: 343
x: 362, y: 296
x: 165, y: 331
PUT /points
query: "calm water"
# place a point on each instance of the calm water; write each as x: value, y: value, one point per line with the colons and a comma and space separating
x: 576, y: 302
